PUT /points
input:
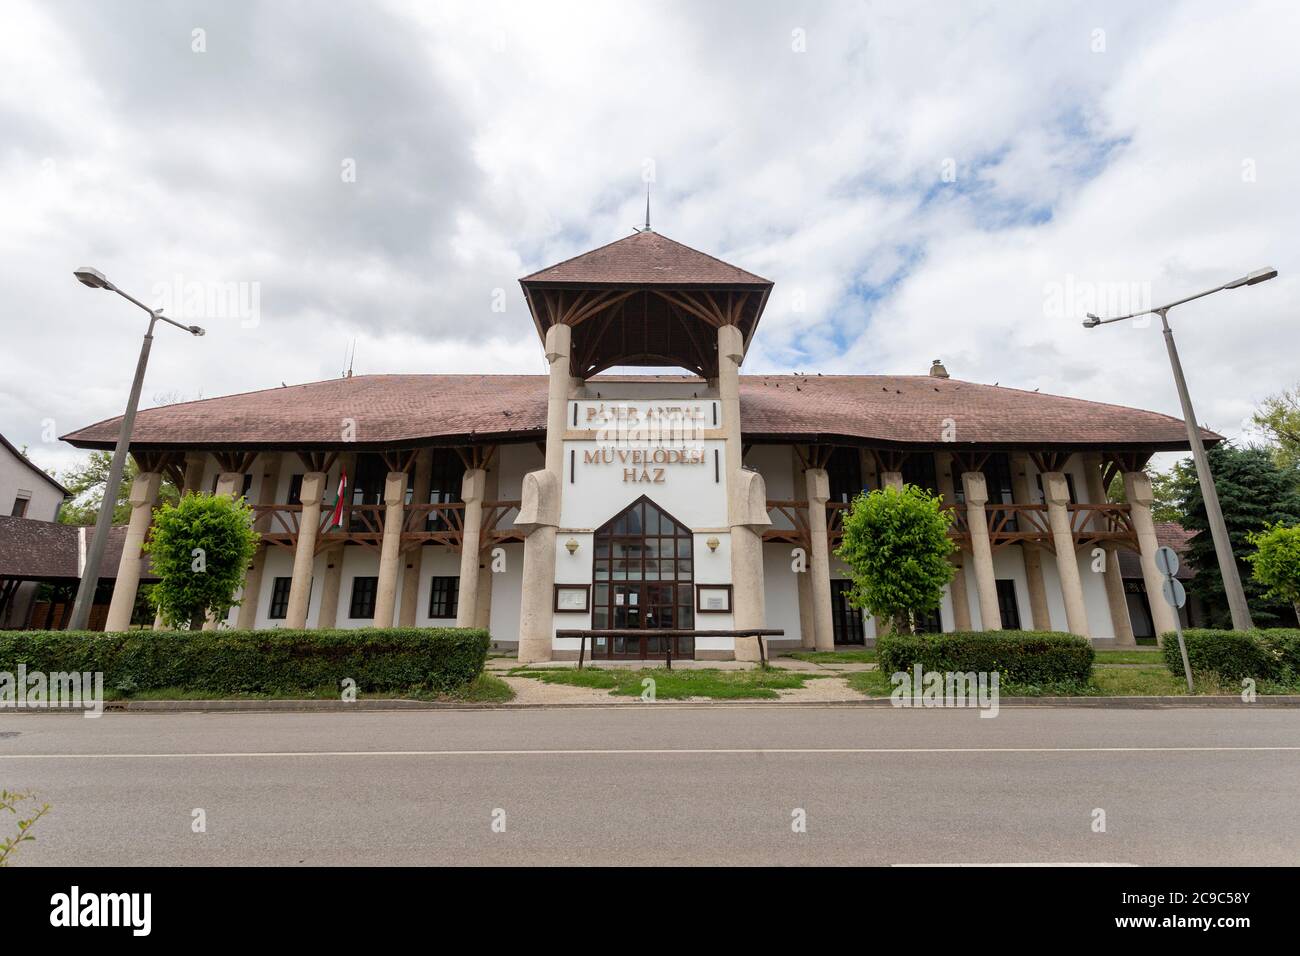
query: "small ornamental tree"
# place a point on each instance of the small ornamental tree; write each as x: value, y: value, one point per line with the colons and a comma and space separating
x: 897, y: 547
x: 1276, y: 562
x: 200, y: 550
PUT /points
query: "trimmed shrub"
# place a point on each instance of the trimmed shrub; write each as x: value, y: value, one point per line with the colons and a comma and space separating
x: 270, y: 661
x: 1020, y: 657
x: 1272, y: 654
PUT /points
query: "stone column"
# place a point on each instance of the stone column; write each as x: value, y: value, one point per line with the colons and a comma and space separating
x: 246, y: 618
x: 484, y: 618
x: 332, y: 582
x: 981, y: 550
x: 230, y: 484
x: 819, y: 564
x: 539, y: 512
x: 559, y: 339
x: 957, y: 588
x: 304, y: 554
x: 1041, y: 618
x: 1057, y: 492
x: 867, y: 462
x: 1137, y: 489
x: 1116, y: 602
x: 195, y: 465
x: 390, y: 550
x: 414, y: 560
x: 472, y: 488
x: 746, y: 502
x: 144, y: 493
x: 891, y: 479
x: 807, y: 623
x: 539, y: 516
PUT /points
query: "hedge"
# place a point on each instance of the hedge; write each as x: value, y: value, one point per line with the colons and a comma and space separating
x: 1019, y: 657
x: 1270, y: 654
x: 270, y: 661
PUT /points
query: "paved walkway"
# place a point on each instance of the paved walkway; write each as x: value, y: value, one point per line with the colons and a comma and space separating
x: 822, y: 687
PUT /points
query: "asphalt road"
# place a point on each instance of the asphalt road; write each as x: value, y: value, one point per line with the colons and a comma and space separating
x: 661, y: 784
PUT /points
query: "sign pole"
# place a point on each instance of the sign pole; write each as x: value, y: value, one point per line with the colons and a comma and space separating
x: 1175, y: 596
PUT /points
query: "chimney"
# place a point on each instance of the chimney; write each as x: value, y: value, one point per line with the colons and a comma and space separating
x: 937, y: 370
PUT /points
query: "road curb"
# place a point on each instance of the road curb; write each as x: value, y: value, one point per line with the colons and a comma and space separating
x: 373, y: 705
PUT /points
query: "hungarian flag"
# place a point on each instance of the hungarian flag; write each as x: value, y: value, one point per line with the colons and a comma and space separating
x: 336, y: 519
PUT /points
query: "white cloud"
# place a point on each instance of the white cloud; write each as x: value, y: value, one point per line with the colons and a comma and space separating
x: 492, y: 139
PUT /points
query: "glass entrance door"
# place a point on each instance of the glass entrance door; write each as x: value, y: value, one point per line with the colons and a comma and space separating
x: 643, y: 580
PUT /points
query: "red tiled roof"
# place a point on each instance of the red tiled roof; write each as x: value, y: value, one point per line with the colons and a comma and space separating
x: 47, y: 550
x: 870, y: 409
x: 645, y: 258
x: 1170, y: 534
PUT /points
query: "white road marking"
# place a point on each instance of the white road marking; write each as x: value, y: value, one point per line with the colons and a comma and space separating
x: 650, y: 752
x: 1009, y: 864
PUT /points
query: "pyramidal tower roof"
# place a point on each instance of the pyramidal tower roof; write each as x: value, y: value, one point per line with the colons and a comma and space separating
x: 646, y: 258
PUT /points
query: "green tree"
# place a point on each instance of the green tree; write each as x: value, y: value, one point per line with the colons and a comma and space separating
x: 1279, y: 417
x: 1276, y: 562
x: 897, y: 547
x: 1255, y: 493
x: 87, y: 482
x: 1164, y: 492
x: 200, y: 549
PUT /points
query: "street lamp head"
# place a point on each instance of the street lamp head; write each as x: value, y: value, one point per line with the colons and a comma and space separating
x: 92, y: 277
x: 195, y: 330
x: 1091, y: 322
x: 1253, y: 278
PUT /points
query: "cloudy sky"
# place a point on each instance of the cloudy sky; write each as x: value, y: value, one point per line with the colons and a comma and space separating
x: 920, y: 180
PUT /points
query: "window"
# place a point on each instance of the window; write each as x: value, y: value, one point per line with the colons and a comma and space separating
x: 20, y: 507
x: 364, y: 591
x: 366, y: 487
x: 295, y: 489
x: 443, y: 592
x: 846, y: 620
x: 927, y: 622
x: 997, y: 481
x: 279, y: 609
x: 446, y: 476
x: 918, y: 469
x: 1007, y: 606
x: 844, y: 472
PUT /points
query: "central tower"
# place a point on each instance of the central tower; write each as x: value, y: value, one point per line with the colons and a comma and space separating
x: 644, y: 300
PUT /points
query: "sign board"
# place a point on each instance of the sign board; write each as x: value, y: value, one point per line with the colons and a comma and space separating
x: 1167, y: 561
x: 1175, y: 594
x: 660, y: 421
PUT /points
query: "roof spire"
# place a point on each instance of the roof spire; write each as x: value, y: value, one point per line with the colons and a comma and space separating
x: 645, y: 228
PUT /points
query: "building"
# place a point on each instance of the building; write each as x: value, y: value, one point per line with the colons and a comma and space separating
x: 589, y: 500
x: 27, y: 496
x: 41, y: 560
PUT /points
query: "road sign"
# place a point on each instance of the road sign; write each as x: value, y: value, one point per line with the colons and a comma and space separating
x: 1174, y: 593
x: 1167, y: 562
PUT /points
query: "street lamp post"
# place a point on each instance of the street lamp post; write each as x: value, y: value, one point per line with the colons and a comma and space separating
x: 1218, y: 530
x: 95, y: 554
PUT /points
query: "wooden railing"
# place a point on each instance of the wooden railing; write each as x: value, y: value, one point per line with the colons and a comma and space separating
x: 1007, y: 523
x: 438, y: 523
x: 790, y: 521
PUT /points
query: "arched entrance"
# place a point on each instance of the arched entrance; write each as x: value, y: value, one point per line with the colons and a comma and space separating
x: 642, y: 574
